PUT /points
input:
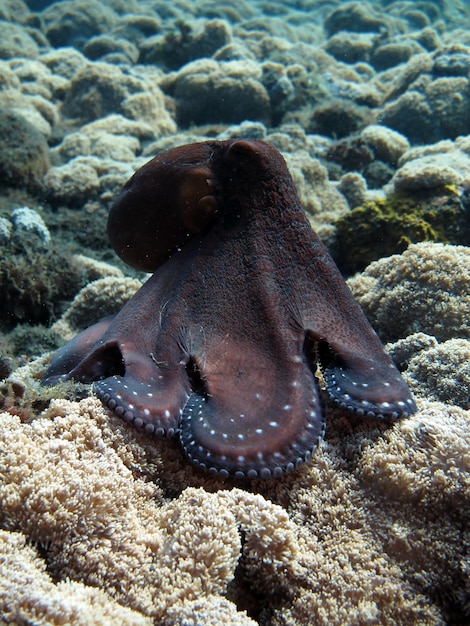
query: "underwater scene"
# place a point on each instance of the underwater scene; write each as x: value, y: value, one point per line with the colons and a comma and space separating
x: 235, y: 312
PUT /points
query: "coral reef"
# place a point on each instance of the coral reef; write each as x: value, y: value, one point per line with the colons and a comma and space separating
x: 35, y: 278
x: 326, y: 204
x: 369, y: 103
x: 23, y: 152
x: 16, y: 42
x: 111, y: 50
x: 26, y: 583
x: 73, y: 183
x: 72, y: 24
x: 442, y: 372
x: 206, y: 91
x: 368, y: 529
x: 100, y: 298
x: 433, y: 369
x: 182, y: 45
x: 388, y: 225
x: 171, y: 553
x: 339, y: 118
x: 26, y: 220
x: 98, y: 89
x: 426, y: 198
x: 392, y: 54
x: 429, y: 99
x: 355, y: 17
x: 445, y: 163
x: 386, y: 144
x: 424, y: 289
x: 26, y: 341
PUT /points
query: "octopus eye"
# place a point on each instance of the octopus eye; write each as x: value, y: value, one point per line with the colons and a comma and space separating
x: 197, y: 201
x: 166, y: 203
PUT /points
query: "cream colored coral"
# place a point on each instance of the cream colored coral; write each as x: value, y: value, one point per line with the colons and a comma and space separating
x: 442, y: 372
x: 28, y: 594
x: 75, y: 182
x: 271, y: 536
x: 75, y: 482
x: 207, y: 564
x: 369, y: 531
x: 100, y: 298
x: 118, y: 125
x: 425, y: 289
x: 445, y: 162
x: 209, y: 611
x: 347, y: 546
x: 388, y: 145
x: 380, y: 512
x: 447, y: 168
x: 27, y: 107
x: 97, y: 269
x: 235, y: 69
x: 66, y: 487
x: 395, y: 463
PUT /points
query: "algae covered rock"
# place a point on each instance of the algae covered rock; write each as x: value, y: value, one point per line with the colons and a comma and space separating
x: 354, y: 17
x: 388, y: 226
x: 182, y: 44
x: 99, y: 89
x: 16, y: 42
x: 96, y: 90
x: 35, y: 278
x: 429, y: 99
x: 73, y: 23
x: 23, y: 152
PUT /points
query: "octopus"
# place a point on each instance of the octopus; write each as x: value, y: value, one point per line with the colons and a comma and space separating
x: 245, y: 330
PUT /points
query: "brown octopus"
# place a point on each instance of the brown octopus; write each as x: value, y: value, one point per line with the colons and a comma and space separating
x: 246, y: 324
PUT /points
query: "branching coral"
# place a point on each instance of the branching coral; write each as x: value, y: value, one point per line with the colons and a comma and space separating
x: 372, y: 529
x: 442, y: 372
x: 368, y: 530
x: 25, y: 584
x: 374, y: 542
x: 75, y: 482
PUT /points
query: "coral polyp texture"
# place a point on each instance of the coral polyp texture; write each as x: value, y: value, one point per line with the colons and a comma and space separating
x: 368, y: 105
x: 369, y: 528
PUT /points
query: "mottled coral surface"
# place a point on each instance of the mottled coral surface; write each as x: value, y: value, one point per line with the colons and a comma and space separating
x: 369, y: 104
x: 372, y: 528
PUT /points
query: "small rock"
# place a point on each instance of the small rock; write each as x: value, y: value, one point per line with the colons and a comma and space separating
x: 23, y: 152
x: 28, y: 220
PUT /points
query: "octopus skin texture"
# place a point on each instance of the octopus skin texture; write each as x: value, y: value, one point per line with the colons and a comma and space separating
x: 245, y: 327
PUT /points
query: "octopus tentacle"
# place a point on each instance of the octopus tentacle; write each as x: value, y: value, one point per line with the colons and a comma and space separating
x: 260, y: 421
x: 74, y: 360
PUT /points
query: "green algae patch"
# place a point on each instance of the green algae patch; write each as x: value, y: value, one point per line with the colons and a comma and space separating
x: 387, y: 226
x: 35, y: 284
